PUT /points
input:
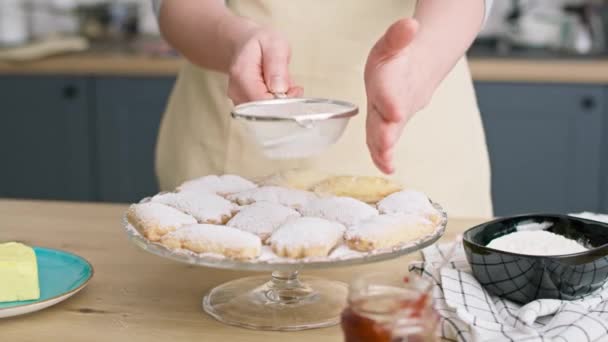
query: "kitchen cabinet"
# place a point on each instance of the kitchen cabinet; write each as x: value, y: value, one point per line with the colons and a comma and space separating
x: 80, y: 138
x: 604, y: 157
x: 45, y: 138
x: 545, y: 146
x: 93, y: 138
x: 128, y: 112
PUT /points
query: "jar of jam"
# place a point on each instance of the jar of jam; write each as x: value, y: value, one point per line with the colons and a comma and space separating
x: 385, y: 307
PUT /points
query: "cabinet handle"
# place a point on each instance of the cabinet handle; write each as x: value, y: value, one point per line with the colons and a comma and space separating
x: 588, y: 102
x: 70, y: 92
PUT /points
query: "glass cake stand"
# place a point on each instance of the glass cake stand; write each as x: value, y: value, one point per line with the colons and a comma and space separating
x: 284, y: 301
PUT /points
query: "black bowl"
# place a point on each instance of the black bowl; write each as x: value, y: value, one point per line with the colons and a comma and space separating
x: 523, y: 278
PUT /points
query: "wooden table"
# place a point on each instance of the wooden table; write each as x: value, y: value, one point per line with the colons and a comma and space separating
x: 136, y: 296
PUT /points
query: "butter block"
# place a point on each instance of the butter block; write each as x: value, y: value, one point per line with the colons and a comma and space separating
x: 18, y: 273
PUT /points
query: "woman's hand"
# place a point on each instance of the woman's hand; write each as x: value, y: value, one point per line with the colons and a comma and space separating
x: 211, y: 36
x: 260, y: 67
x: 395, y: 90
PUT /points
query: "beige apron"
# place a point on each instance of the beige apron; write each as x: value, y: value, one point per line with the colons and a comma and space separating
x: 442, y: 151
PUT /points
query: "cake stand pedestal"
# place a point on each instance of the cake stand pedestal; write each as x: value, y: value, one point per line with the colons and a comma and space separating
x: 283, y: 302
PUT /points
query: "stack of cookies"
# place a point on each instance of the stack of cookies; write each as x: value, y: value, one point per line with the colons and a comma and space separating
x: 234, y: 217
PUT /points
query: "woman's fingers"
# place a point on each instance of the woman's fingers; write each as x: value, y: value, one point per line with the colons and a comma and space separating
x: 385, y: 96
x: 396, y: 38
x: 243, y: 89
x: 387, y: 91
x: 245, y: 80
x: 295, y: 91
x: 275, y: 63
x: 381, y: 139
x: 261, y: 69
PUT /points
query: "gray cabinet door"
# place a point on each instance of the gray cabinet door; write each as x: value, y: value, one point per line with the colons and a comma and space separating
x: 44, y: 138
x: 604, y: 156
x: 128, y: 113
x: 545, y: 146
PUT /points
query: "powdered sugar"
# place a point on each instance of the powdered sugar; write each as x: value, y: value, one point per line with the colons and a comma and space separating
x: 222, y: 185
x: 268, y: 255
x: 302, y: 179
x: 205, y: 238
x: 387, y: 230
x: 205, y: 207
x: 288, y: 197
x: 216, y: 235
x: 407, y: 202
x: 536, y: 242
x: 531, y: 225
x: 364, y: 188
x: 156, y: 219
x: 307, y: 232
x: 345, y: 210
x: 262, y: 218
x: 160, y: 215
x: 343, y: 252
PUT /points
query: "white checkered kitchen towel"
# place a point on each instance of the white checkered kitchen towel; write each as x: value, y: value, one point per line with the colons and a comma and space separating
x: 469, y: 313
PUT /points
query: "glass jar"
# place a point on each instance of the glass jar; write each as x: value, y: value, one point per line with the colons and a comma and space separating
x: 388, y: 307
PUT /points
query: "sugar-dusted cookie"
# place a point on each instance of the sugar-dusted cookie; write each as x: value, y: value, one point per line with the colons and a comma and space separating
x: 409, y: 202
x: 345, y: 210
x: 208, y: 238
x: 306, y: 237
x: 221, y: 185
x: 302, y: 179
x: 205, y: 207
x: 292, y: 198
x: 387, y: 230
x: 364, y: 188
x: 262, y: 218
x: 155, y: 219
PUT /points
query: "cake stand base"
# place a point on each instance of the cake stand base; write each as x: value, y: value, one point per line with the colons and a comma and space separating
x: 285, y: 302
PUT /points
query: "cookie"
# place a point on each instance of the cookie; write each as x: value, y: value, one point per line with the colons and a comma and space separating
x: 409, y: 202
x: 385, y: 231
x: 302, y: 179
x: 155, y: 219
x: 345, y: 210
x: 306, y: 237
x: 262, y: 218
x: 292, y: 198
x: 364, y: 188
x: 220, y: 185
x: 205, y: 207
x: 208, y: 238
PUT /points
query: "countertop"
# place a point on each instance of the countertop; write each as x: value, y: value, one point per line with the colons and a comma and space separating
x: 95, y: 63
x: 483, y: 67
x: 136, y: 296
x: 517, y: 64
x: 585, y: 71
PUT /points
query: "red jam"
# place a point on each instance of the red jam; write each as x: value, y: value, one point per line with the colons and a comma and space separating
x: 388, y: 317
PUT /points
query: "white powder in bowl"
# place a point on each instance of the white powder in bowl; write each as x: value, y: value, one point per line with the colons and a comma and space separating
x: 536, y: 242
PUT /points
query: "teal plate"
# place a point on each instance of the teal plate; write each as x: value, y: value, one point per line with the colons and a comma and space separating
x: 61, y: 275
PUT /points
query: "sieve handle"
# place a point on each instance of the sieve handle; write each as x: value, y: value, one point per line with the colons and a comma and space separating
x: 301, y: 122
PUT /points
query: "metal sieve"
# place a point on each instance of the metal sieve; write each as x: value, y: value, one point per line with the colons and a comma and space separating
x: 287, y: 128
x: 294, y: 109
